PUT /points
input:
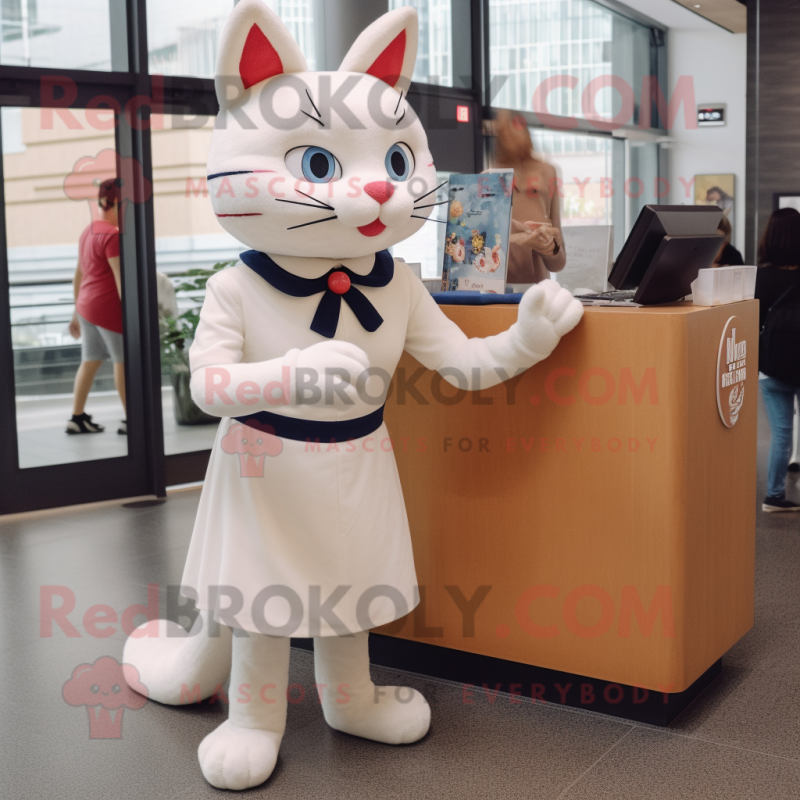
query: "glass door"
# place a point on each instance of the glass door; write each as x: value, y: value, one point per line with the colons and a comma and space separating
x: 77, y: 305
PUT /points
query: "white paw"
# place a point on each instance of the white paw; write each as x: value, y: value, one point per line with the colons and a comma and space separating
x: 393, y: 715
x: 547, y: 312
x: 238, y: 758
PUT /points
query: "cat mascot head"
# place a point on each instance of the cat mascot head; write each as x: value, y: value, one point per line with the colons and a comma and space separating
x: 318, y: 164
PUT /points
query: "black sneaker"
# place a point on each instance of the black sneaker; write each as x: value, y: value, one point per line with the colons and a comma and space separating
x: 123, y: 428
x: 82, y: 423
x: 771, y: 504
x: 794, y: 467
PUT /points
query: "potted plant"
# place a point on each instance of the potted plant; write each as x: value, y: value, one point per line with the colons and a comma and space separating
x: 177, y: 334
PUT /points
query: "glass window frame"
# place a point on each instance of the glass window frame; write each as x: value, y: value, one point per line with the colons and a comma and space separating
x: 147, y: 471
x: 657, y: 67
x: 623, y: 208
x: 131, y: 78
x: 142, y: 471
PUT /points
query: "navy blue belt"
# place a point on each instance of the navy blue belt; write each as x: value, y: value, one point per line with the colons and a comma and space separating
x: 307, y: 430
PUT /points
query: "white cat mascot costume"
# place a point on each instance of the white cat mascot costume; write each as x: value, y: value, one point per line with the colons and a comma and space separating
x: 319, y: 173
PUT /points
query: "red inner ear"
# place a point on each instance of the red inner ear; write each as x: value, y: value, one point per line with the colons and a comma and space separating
x: 389, y: 64
x: 260, y: 60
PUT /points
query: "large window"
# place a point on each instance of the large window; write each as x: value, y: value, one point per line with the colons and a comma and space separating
x: 585, y: 174
x: 603, y: 180
x: 53, y: 171
x: 426, y: 246
x: 561, y: 57
x: 435, y: 55
x: 183, y: 35
x: 580, y: 71
x: 190, y: 244
x: 68, y: 34
x: 546, y: 57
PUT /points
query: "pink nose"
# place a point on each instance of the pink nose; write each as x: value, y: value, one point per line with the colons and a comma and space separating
x: 379, y: 190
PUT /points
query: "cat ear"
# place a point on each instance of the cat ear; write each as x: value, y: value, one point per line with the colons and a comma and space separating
x: 387, y: 49
x: 255, y: 45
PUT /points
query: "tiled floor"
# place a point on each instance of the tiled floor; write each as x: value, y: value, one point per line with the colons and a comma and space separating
x: 740, y: 739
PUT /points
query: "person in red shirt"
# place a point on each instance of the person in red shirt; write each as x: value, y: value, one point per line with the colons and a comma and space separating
x: 98, y: 308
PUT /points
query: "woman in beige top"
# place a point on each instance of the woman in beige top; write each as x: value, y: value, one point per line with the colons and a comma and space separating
x: 537, y: 247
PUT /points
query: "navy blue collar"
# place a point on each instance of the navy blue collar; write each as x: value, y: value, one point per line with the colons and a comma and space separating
x: 339, y: 282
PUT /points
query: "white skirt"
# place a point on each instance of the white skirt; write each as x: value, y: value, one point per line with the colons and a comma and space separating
x: 312, y: 541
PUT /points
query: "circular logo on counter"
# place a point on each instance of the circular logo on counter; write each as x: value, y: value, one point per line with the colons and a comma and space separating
x: 731, y: 372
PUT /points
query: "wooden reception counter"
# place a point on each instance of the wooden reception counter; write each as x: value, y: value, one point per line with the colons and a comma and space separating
x: 598, y: 513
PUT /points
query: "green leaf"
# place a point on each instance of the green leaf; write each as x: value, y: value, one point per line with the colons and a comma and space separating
x: 176, y: 333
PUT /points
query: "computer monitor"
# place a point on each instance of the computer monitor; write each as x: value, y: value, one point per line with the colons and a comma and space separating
x: 674, y: 266
x: 652, y: 225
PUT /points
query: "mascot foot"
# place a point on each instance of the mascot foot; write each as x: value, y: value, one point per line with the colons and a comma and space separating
x: 353, y: 704
x: 177, y: 668
x: 390, y: 714
x: 232, y: 757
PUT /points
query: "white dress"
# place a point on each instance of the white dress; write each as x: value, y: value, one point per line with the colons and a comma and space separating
x: 314, y: 541
x: 320, y: 524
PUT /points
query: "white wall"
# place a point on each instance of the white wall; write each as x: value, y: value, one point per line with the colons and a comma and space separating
x: 717, y: 61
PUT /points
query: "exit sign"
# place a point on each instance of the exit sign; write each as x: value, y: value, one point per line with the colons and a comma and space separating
x: 462, y: 113
x: 711, y: 115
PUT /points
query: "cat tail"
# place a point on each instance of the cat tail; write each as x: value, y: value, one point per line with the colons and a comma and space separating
x: 176, y: 667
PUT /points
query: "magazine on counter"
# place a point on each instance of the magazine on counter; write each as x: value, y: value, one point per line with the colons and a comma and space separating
x: 477, y: 233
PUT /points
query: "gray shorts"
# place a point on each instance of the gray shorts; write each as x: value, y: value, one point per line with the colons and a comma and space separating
x: 100, y: 344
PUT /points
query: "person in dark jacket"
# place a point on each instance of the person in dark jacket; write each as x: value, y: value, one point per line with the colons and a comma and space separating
x: 779, y: 270
x: 728, y: 255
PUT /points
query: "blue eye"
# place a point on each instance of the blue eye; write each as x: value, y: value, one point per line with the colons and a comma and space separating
x: 399, y: 162
x: 313, y: 164
x: 319, y: 165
